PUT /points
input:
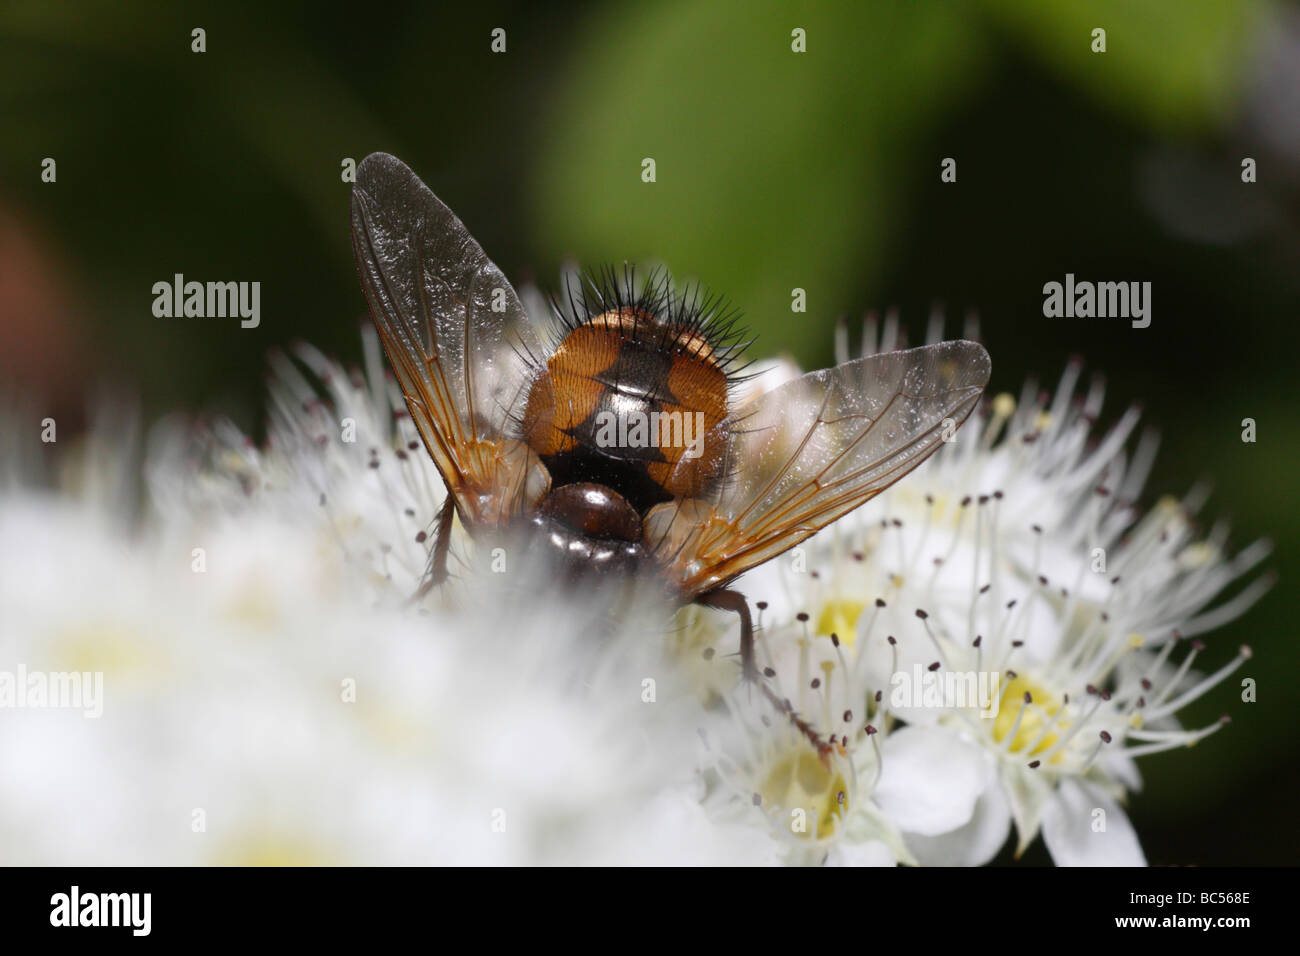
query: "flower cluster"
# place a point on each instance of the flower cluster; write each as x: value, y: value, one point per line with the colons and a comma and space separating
x: 997, y: 638
x: 994, y: 640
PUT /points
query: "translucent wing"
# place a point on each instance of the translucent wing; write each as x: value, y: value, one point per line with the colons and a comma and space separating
x: 455, y: 332
x: 812, y: 450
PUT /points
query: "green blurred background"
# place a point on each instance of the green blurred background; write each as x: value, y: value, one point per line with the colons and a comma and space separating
x: 775, y: 170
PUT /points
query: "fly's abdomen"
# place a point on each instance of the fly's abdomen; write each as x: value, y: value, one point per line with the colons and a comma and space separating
x: 631, y: 404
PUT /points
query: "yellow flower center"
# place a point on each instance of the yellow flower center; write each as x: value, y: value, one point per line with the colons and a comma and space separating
x: 815, y: 797
x: 839, y: 616
x: 1037, y: 717
x: 266, y: 849
x: 116, y: 649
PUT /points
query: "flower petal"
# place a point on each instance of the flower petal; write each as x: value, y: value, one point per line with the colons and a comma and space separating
x: 1071, y: 821
x: 872, y: 853
x: 1027, y: 790
x: 931, y: 779
x: 979, y: 840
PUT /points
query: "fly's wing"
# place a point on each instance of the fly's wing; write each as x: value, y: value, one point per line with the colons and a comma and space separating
x: 811, y: 451
x: 458, y: 338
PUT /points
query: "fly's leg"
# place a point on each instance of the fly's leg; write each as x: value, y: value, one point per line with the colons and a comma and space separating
x: 441, y: 547
x: 727, y: 600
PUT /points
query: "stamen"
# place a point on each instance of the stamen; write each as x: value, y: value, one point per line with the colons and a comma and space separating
x: 1200, y: 688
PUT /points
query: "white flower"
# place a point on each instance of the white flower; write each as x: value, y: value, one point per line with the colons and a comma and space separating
x: 1016, y: 556
x: 272, y: 693
x: 811, y: 798
x: 268, y: 695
